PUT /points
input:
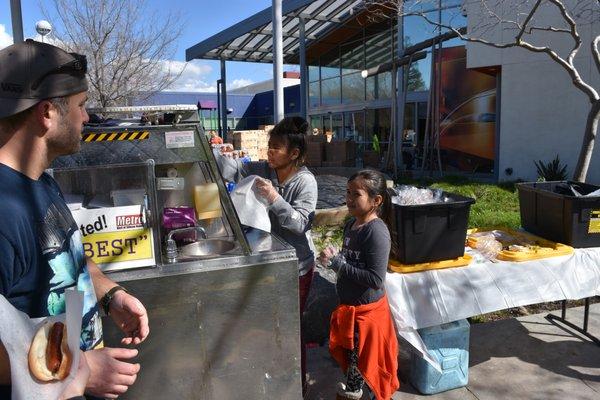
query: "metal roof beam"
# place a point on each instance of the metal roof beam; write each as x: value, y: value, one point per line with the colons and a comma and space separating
x: 320, y: 18
x: 332, y: 14
x: 285, y: 34
x: 266, y: 50
x: 259, y: 19
x: 244, y: 58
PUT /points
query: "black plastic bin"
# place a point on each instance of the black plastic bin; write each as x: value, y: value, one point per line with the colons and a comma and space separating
x: 549, y: 210
x: 430, y: 232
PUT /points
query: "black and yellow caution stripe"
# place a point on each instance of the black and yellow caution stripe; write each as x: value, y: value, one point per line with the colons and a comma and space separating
x: 109, y: 137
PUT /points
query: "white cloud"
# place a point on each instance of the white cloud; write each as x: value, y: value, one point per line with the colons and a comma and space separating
x: 238, y: 83
x: 5, y: 38
x: 194, y: 76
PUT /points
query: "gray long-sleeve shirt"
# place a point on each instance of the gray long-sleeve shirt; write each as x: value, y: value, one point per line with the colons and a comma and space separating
x: 362, y: 269
x: 292, y: 215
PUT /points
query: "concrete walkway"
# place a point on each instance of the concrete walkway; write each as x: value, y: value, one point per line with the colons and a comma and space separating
x: 523, y: 358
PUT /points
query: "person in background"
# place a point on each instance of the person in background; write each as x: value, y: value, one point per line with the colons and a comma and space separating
x: 215, y: 138
x: 42, y: 113
x: 292, y: 200
x: 362, y: 336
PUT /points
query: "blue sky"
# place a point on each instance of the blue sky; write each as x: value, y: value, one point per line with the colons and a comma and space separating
x: 201, y: 20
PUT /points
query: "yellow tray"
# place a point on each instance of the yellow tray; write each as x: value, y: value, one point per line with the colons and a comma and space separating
x: 542, y: 248
x: 396, y: 266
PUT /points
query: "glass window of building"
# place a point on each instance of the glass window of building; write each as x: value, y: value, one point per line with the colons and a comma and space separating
x: 313, y: 73
x: 378, y: 122
x: 336, y: 125
x: 314, y: 94
x: 316, y: 123
x: 352, y: 55
x: 379, y: 44
x: 330, y: 91
x: 418, y: 29
x: 354, y: 125
x: 379, y: 86
x: 330, y: 64
x: 332, y: 122
x: 419, y: 74
x: 353, y: 88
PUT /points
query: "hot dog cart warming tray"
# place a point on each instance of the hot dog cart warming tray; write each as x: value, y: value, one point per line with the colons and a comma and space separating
x: 223, y: 310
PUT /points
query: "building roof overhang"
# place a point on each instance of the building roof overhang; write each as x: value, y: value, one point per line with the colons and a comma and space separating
x: 251, y: 40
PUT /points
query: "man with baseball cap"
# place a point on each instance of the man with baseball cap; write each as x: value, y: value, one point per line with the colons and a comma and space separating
x: 43, y: 91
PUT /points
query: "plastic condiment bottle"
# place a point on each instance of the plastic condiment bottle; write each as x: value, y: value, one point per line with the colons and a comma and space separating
x: 207, y: 201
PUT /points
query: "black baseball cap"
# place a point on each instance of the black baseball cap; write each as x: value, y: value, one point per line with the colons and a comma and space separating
x: 32, y: 71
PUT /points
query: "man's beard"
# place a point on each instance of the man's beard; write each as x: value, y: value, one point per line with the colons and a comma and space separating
x: 68, y: 141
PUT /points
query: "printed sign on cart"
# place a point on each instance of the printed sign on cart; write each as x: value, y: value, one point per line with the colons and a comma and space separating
x: 179, y: 139
x: 115, y: 238
x: 594, y: 222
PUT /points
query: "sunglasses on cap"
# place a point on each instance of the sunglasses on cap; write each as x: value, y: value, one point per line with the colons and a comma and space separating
x: 76, y: 66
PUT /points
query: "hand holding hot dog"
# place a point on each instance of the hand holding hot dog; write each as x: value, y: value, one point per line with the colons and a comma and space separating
x: 110, y: 374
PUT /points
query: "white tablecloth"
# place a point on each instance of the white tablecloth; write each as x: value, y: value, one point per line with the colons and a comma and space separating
x: 430, y: 298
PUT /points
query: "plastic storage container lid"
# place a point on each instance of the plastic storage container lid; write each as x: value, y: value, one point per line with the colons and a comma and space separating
x: 541, y: 248
x: 397, y: 266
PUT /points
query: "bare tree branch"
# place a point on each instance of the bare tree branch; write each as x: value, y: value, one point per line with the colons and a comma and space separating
x: 525, y: 13
x: 527, y: 20
x: 567, y: 64
x: 127, y: 47
x: 596, y: 52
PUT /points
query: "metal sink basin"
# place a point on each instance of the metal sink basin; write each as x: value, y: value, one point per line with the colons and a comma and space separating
x: 207, y: 248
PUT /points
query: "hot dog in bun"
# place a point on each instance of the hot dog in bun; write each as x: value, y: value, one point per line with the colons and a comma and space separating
x: 49, y: 355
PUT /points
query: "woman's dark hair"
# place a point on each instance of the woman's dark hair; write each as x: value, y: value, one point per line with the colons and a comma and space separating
x: 292, y: 131
x: 375, y: 184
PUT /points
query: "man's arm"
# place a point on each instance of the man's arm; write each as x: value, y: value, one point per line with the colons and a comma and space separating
x: 102, y: 284
x: 125, y: 310
x: 111, y: 369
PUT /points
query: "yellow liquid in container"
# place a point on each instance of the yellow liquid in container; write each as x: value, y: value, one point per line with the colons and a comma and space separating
x: 207, y: 201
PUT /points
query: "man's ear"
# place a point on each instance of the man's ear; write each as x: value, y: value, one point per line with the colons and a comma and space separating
x: 46, y: 114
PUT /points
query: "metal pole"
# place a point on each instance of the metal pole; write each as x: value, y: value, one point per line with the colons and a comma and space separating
x: 223, y: 97
x: 218, y: 122
x: 399, y: 94
x: 17, y: 21
x: 439, y: 93
x: 277, y: 62
x: 393, y: 139
x: 303, y: 70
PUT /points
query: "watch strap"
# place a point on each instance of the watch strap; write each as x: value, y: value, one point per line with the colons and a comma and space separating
x: 107, y: 298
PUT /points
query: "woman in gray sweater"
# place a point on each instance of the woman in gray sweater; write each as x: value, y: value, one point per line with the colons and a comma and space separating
x: 292, y: 199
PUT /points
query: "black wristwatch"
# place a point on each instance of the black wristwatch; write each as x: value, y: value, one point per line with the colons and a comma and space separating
x: 107, y: 298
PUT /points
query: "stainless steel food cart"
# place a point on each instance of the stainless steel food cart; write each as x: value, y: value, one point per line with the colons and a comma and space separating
x: 224, y: 322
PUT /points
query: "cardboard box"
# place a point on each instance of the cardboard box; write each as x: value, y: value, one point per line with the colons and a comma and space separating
x: 266, y: 128
x: 263, y: 154
x: 315, y: 151
x: 348, y: 163
x: 342, y: 150
x: 371, y: 158
x: 317, y: 138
